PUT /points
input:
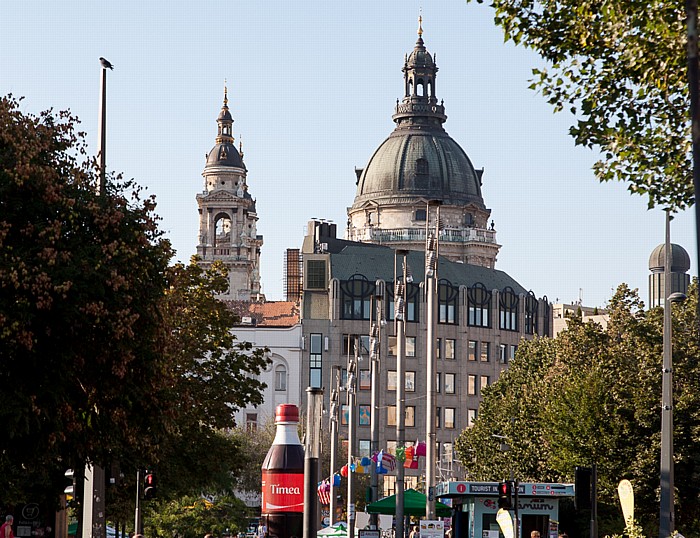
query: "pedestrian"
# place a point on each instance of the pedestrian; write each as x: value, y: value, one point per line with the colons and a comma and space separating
x: 6, y: 528
x: 535, y: 534
x: 262, y: 529
x: 563, y: 535
x: 414, y: 532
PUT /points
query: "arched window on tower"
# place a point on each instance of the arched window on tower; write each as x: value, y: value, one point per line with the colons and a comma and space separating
x: 223, y: 231
x: 508, y: 309
x: 530, y: 313
x: 420, y: 87
x: 410, y: 87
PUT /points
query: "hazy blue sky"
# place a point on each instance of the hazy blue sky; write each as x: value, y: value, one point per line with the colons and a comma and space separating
x: 312, y: 87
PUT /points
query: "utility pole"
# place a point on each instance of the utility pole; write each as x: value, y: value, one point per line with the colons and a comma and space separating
x: 138, y: 517
x: 312, y: 452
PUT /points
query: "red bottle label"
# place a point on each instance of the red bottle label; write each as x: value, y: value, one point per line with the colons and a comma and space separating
x: 282, y: 492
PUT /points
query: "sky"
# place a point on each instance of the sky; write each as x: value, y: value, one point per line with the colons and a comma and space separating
x: 311, y: 87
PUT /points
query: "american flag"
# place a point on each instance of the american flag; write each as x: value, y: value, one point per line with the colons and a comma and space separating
x: 388, y: 460
x: 324, y: 492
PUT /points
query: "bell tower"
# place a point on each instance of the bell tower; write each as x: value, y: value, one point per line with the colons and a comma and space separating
x: 227, y: 214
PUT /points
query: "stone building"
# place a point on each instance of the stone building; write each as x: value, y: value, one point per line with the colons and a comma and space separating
x: 227, y: 214
x: 482, y: 313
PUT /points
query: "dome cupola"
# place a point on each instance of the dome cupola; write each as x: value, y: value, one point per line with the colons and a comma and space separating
x: 224, y: 153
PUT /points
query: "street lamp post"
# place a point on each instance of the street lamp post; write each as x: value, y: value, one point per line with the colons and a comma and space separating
x: 375, y: 356
x: 431, y: 265
x: 352, y: 385
x: 400, y: 325
x: 666, y: 514
x: 334, y: 442
x: 312, y: 452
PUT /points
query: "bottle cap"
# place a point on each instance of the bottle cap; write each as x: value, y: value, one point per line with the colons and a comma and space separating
x: 287, y: 413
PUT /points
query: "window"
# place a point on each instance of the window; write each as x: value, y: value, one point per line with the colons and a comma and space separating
x: 344, y: 377
x: 438, y: 414
x: 410, y: 381
x: 471, y: 417
x: 449, y: 418
x: 251, y: 422
x: 479, y: 306
x: 530, y: 313
x: 471, y: 385
x: 391, y: 447
x: 316, y: 274
x: 485, y: 351
x: 344, y: 414
x: 503, y: 353
x: 364, y: 447
x: 545, y: 316
x: 365, y: 414
x: 315, y: 361
x: 508, y: 309
x: 412, y: 299
x: 410, y: 416
x: 446, y: 453
x: 449, y: 383
x: 355, y: 296
x: 449, y: 349
x: 280, y: 378
x: 472, y: 350
x: 484, y: 382
x: 409, y: 348
x: 365, y: 379
x: 420, y: 215
x: 438, y: 385
x: 438, y: 348
x: 513, y: 351
x: 447, y: 302
x: 350, y: 341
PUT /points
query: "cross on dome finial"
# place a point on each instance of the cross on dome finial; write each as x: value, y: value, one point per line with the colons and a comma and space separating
x: 420, y: 23
x: 225, y: 93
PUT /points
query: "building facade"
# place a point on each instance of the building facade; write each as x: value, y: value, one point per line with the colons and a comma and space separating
x: 228, y: 216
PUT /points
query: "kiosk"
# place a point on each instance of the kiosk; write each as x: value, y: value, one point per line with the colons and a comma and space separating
x: 475, y: 504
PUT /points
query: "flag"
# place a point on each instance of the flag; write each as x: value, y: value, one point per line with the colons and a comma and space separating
x: 324, y: 492
x: 388, y: 461
x: 420, y: 448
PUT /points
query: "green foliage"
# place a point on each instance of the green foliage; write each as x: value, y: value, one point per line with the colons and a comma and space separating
x: 194, y: 517
x: 592, y: 395
x: 619, y: 67
x: 81, y: 277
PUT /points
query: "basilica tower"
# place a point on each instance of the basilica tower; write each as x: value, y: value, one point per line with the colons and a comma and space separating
x: 227, y: 215
x: 420, y: 163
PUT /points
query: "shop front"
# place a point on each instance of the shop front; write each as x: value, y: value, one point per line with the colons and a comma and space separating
x: 475, y: 506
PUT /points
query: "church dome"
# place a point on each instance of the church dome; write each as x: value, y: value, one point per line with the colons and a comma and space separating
x: 422, y: 164
x: 680, y: 261
x: 224, y: 154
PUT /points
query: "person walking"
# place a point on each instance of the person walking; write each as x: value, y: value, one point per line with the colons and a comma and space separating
x: 6, y: 528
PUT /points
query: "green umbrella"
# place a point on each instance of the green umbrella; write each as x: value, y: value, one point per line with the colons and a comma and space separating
x: 413, y: 505
x: 340, y: 529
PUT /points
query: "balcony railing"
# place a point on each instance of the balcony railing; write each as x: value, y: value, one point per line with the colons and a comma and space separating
x: 449, y: 235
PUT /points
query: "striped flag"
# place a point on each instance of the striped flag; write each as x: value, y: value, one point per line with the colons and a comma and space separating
x: 324, y: 492
x: 388, y: 460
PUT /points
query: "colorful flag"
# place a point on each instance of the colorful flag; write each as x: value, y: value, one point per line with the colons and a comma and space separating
x: 324, y: 492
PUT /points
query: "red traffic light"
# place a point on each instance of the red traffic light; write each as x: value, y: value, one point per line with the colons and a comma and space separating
x: 149, y: 485
x: 505, y: 493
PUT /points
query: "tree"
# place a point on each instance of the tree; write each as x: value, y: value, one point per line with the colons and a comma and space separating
x: 619, y: 66
x: 81, y: 279
x: 591, y: 396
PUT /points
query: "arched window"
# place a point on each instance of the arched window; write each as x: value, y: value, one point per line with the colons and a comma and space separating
x: 479, y: 306
x: 280, y: 378
x: 508, y: 309
x: 355, y: 295
x: 223, y: 230
x: 530, y: 313
x: 447, y: 302
x: 546, y: 313
x: 420, y: 87
x: 413, y: 297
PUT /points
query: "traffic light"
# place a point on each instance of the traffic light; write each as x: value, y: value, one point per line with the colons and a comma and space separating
x: 582, y: 488
x: 149, y: 485
x: 505, y: 493
x: 70, y: 488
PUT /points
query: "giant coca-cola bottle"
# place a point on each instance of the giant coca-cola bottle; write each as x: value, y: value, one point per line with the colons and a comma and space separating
x: 283, y: 478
